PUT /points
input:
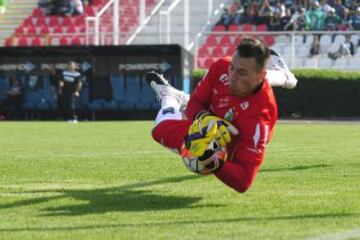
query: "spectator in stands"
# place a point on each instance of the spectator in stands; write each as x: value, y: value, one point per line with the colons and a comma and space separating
x: 13, y: 100
x: 325, y: 7
x: 345, y: 49
x: 265, y: 13
x: 340, y: 9
x: 69, y: 87
x: 353, y: 7
x: 279, y: 9
x: 226, y: 19
x: 315, y: 46
x: 249, y: 15
x: 285, y: 19
x: 62, y: 7
x: 355, y: 20
x: 239, y: 14
x: 298, y: 21
x: 47, y: 6
x: 76, y: 7
x: 331, y: 21
x: 316, y: 17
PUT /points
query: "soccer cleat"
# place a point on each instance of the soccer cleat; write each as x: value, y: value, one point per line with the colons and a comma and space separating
x: 163, y: 89
x: 276, y: 62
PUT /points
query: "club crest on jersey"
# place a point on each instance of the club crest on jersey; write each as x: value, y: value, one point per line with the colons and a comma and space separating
x: 229, y: 115
x: 244, y: 105
x: 224, y: 79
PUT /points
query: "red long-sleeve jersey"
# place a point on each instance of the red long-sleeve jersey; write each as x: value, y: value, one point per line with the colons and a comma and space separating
x: 254, y: 116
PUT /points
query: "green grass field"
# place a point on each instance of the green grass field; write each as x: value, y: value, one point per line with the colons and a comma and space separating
x: 110, y: 180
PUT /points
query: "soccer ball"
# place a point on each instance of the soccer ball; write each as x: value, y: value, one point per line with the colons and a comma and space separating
x: 193, y: 164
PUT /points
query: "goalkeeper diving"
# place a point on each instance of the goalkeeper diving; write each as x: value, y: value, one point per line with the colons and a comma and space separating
x: 233, y: 106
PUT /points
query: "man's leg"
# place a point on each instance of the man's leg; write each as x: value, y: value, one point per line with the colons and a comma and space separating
x: 169, y: 129
x: 172, y: 100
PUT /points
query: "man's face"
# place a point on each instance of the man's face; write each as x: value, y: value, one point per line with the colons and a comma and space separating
x: 244, y: 78
x: 72, y: 66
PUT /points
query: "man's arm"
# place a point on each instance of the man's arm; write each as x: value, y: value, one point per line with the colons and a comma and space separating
x: 240, y: 171
x: 60, y: 86
x: 200, y: 98
x: 78, y: 88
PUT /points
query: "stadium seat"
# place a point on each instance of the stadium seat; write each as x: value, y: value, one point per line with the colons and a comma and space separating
x: 325, y: 62
x: 53, y: 21
x: 37, y: 12
x: 308, y: 39
x: 23, y: 42
x: 268, y: 40
x: 225, y: 40
x: 118, y: 91
x: 234, y: 28
x: 339, y: 39
x: 341, y: 63
x: 20, y: 31
x: 311, y: 63
x: 230, y: 50
x: 31, y: 31
x: 219, y: 28
x: 8, y: 42
x: 217, y: 52
x: 132, y: 92
x: 208, y: 61
x: 28, y: 21
x: 325, y: 40
x: 37, y: 41
x: 203, y: 51
x: 77, y: 41
x: 44, y: 30
x: 303, y: 51
x: 211, y: 40
x: 355, y: 38
x: 261, y: 28
x: 64, y: 41
x: 71, y: 29
x: 246, y: 28
x: 67, y: 21
x: 147, y: 97
x: 40, y: 21
x: 354, y: 63
x: 58, y: 29
x: 237, y: 39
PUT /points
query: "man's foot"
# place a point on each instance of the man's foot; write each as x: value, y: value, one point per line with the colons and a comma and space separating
x: 164, y: 90
x: 276, y: 62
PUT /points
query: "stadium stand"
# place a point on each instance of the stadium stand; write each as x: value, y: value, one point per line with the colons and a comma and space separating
x: 70, y: 30
x: 242, y: 22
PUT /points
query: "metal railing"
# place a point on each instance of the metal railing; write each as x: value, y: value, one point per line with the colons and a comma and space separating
x: 293, y: 46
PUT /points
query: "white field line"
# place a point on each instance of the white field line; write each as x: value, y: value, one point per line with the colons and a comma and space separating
x: 351, y: 234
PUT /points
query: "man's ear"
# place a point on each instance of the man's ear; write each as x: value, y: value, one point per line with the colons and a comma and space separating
x: 262, y: 75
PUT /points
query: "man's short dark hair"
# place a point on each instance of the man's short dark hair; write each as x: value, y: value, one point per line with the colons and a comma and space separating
x: 251, y: 47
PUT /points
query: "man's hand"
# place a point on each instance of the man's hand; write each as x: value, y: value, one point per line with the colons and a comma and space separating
x: 213, y: 160
x: 208, y: 132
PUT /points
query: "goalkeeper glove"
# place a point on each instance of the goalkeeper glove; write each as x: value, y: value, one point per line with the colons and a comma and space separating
x: 206, y: 128
x: 212, y: 160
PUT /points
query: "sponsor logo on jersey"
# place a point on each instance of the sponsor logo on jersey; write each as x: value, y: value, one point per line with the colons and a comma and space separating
x: 224, y: 79
x: 244, y: 105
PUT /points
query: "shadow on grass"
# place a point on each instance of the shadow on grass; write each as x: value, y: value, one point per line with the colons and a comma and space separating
x: 297, y: 168
x: 187, y: 222
x: 122, y: 198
